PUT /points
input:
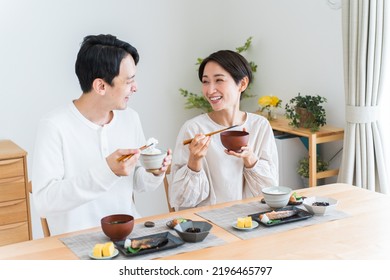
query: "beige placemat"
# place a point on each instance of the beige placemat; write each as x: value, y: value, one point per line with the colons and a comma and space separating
x: 226, y: 217
x: 82, y: 244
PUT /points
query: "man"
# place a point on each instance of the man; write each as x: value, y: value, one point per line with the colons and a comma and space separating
x: 77, y: 178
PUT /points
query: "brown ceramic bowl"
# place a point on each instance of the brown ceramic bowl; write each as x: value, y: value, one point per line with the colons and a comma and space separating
x: 234, y: 139
x: 118, y: 226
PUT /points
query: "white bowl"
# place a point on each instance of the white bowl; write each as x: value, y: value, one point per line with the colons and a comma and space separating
x: 152, y: 162
x: 320, y: 210
x: 276, y: 197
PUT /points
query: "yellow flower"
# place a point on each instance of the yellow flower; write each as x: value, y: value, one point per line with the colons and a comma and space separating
x: 268, y: 101
x: 265, y: 101
x: 274, y: 101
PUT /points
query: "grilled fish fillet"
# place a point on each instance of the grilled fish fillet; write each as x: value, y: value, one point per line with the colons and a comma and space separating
x: 276, y: 215
x: 148, y: 243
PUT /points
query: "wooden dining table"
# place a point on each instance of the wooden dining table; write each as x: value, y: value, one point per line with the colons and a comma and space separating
x: 363, y: 234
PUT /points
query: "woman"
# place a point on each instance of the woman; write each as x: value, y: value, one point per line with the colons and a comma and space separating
x: 204, y: 172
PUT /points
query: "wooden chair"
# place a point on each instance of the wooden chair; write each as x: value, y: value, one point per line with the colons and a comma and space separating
x: 44, y: 224
x: 166, y: 186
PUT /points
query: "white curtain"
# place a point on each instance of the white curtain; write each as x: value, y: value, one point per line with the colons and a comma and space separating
x: 365, y: 38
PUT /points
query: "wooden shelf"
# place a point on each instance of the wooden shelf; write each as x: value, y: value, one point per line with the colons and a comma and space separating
x: 15, y: 221
x: 326, y: 134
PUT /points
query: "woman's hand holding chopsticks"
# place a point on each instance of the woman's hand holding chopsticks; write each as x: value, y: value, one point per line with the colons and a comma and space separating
x: 198, y: 149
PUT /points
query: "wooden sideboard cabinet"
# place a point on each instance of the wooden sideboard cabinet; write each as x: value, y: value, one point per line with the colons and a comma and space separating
x: 326, y: 134
x: 15, y: 219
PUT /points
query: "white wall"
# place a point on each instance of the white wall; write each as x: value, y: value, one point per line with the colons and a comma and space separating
x: 297, y: 45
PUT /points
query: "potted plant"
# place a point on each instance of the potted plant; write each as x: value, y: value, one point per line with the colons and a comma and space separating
x: 306, y: 111
x: 197, y: 101
x: 303, y: 168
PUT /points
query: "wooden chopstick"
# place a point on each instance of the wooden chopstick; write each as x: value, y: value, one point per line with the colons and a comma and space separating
x: 126, y: 157
x: 188, y: 141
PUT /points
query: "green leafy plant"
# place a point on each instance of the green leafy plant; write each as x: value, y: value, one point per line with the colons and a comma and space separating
x: 197, y: 101
x: 303, y: 166
x: 306, y: 111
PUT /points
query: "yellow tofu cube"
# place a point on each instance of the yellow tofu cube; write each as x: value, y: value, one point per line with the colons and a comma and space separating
x: 240, y: 222
x: 98, y: 250
x: 108, y: 249
x: 248, y: 222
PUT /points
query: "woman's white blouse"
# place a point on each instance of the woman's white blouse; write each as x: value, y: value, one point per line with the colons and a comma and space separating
x: 222, y: 177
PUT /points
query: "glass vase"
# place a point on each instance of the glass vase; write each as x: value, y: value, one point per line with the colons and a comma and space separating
x: 271, y: 115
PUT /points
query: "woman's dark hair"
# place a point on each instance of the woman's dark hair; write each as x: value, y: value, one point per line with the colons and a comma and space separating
x: 100, y: 56
x: 233, y: 62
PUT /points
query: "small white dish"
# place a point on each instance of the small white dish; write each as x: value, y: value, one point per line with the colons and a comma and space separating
x: 116, y: 252
x: 320, y: 210
x: 254, y: 225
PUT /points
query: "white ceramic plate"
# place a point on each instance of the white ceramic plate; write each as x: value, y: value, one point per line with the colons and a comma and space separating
x: 254, y: 225
x: 116, y: 252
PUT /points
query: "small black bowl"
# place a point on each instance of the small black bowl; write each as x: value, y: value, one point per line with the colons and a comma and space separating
x: 193, y: 231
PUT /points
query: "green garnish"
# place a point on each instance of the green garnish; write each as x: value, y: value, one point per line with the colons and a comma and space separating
x: 132, y: 250
x: 117, y: 222
x: 296, y: 196
x: 270, y: 222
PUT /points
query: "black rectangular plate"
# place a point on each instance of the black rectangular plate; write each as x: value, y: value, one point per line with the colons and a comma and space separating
x: 173, y: 242
x: 301, y: 215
